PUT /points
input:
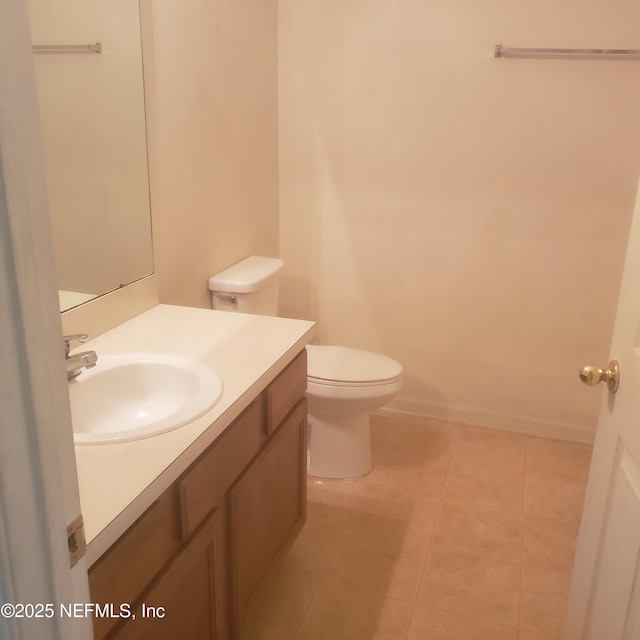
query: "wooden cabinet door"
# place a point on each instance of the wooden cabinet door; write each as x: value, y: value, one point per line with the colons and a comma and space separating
x: 182, y: 601
x: 267, y: 508
x: 130, y: 566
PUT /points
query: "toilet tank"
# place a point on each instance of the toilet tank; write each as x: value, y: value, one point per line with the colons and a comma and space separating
x: 251, y: 286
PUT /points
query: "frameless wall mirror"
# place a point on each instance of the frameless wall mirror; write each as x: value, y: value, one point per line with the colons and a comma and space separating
x: 88, y: 63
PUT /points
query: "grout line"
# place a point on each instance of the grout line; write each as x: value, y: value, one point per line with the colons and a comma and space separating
x: 303, y: 617
x: 522, y: 516
x: 481, y: 554
x: 520, y: 597
x: 446, y: 476
x: 436, y: 520
x: 526, y: 452
x: 353, y: 499
x: 474, y: 617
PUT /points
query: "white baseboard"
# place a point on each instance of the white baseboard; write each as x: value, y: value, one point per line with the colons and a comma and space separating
x: 476, y: 417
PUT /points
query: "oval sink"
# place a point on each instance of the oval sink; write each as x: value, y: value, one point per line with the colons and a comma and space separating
x: 134, y: 396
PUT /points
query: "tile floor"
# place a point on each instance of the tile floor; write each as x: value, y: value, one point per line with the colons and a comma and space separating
x: 458, y: 533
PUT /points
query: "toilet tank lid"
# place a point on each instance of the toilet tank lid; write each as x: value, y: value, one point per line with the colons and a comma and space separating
x: 247, y: 276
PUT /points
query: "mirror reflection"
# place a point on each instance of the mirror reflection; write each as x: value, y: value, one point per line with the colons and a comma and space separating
x: 93, y: 128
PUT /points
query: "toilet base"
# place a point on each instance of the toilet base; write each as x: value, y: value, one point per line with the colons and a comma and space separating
x: 339, y: 446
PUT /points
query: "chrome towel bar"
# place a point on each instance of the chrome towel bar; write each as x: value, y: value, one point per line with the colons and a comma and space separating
x: 67, y: 48
x: 504, y: 52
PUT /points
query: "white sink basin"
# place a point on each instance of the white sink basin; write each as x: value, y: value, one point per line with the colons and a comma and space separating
x: 134, y: 396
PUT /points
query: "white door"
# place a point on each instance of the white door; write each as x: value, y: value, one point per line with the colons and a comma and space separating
x: 604, y: 603
x: 38, y: 482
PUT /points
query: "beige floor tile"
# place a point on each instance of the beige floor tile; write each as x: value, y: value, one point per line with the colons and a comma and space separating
x: 558, y: 459
x: 415, y: 454
x: 555, y: 497
x: 479, y: 448
x: 425, y: 441
x: 339, y: 613
x: 389, y: 508
x: 381, y: 427
x: 403, y: 469
x: 549, y: 543
x: 544, y: 601
x: 480, y: 530
x: 378, y: 562
x: 278, y: 610
x: 489, y: 487
x: 331, y: 490
x: 471, y: 584
x: 332, y: 498
x: 310, y: 554
x: 434, y: 624
x: 527, y: 635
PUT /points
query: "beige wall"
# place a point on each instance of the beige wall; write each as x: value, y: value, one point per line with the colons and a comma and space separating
x: 465, y: 215
x: 211, y: 83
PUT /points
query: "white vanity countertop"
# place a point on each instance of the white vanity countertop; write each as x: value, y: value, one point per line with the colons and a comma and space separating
x: 118, y: 482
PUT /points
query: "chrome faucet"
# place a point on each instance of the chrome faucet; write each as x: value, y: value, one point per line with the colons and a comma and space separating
x: 79, y: 361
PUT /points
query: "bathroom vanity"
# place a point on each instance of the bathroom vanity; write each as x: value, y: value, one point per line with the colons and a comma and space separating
x: 185, y: 552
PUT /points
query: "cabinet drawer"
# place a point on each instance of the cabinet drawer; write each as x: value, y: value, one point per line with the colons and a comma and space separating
x: 201, y: 488
x: 285, y: 391
x: 140, y: 554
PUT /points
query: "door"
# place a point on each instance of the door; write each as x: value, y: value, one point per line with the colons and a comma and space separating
x: 39, y: 487
x: 604, y: 602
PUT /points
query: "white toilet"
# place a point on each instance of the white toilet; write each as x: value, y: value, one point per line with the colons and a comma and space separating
x: 343, y: 384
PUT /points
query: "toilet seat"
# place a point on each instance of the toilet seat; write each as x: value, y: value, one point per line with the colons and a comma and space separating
x: 347, y: 367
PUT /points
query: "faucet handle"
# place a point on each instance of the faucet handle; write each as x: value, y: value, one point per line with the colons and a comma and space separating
x: 80, y: 337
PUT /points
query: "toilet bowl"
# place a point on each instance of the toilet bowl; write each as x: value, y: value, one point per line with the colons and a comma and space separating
x: 343, y: 384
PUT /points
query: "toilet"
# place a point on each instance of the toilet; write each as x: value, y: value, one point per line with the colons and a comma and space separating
x: 343, y: 384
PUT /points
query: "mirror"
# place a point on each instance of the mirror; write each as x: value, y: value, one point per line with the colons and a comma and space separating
x: 88, y: 63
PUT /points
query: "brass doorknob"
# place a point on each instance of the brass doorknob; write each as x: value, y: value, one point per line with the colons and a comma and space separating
x: 592, y: 375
